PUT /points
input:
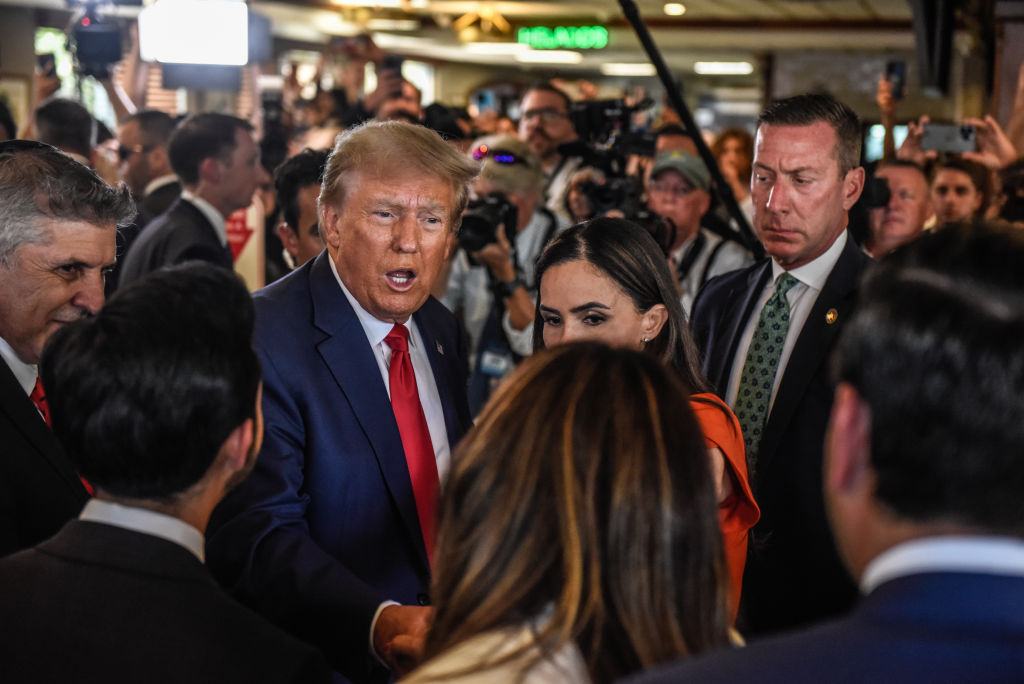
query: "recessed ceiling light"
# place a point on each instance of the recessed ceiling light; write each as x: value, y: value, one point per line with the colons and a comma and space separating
x: 628, y: 69
x: 675, y: 9
x: 549, y: 57
x: 723, y: 68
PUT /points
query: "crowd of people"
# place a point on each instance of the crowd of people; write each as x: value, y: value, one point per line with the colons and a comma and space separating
x: 571, y: 442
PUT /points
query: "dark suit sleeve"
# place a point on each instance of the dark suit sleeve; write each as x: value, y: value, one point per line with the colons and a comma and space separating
x: 261, y: 547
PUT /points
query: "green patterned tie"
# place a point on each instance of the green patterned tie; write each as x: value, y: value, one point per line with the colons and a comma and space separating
x: 758, y: 377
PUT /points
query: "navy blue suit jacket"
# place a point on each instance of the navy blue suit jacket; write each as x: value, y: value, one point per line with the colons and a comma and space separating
x: 936, y: 628
x: 326, y: 528
x: 793, y: 574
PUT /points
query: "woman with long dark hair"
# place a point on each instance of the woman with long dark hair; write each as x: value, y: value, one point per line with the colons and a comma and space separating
x: 608, y: 280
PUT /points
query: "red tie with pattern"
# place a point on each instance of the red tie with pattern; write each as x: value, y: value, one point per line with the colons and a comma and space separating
x: 412, y: 426
x: 38, y: 398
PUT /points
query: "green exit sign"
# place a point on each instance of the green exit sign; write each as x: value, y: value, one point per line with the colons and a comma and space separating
x: 564, y: 37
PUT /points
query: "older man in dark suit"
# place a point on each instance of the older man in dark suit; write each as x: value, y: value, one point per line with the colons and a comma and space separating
x: 365, y: 398
x: 766, y: 333
x: 156, y: 401
x: 924, y: 480
x: 58, y: 222
x: 218, y: 163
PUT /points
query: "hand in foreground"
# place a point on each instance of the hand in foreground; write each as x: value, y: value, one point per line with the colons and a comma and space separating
x: 398, y: 636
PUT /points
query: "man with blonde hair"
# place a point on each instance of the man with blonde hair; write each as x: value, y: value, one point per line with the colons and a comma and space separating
x: 364, y: 399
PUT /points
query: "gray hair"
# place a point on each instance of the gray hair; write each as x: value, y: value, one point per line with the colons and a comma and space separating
x: 38, y: 181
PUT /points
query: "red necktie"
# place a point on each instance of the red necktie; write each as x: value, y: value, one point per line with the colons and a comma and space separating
x: 412, y: 426
x: 38, y: 398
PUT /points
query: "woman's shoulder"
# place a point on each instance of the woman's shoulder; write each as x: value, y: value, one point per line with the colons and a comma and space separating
x: 484, y: 657
x: 711, y: 411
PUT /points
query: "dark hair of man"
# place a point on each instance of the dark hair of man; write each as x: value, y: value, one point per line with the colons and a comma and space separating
x: 812, y: 108
x: 38, y: 181
x: 976, y: 171
x: 143, y: 395
x: 935, y: 351
x: 548, y: 87
x: 1011, y: 179
x: 8, y: 129
x: 295, y: 173
x: 628, y: 255
x: 66, y: 124
x: 155, y: 126
x: 902, y: 164
x: 671, y: 129
x: 200, y: 137
x: 583, y: 489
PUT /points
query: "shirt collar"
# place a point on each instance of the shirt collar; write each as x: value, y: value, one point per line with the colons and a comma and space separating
x: 989, y: 555
x: 215, y: 218
x: 158, y: 183
x: 815, y: 273
x: 376, y: 330
x: 147, y: 522
x: 24, y: 373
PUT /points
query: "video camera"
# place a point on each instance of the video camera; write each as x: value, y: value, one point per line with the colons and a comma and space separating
x: 94, y: 43
x: 481, y: 219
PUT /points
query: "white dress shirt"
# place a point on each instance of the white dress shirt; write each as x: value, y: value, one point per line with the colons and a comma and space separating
x: 951, y: 553
x: 24, y: 373
x: 376, y: 330
x: 212, y: 215
x: 811, y: 279
x: 160, y: 182
x: 147, y: 522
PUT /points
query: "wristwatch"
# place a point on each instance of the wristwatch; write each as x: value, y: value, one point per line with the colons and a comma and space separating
x: 505, y: 290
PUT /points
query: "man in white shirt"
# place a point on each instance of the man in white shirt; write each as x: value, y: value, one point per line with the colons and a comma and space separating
x: 679, y: 189
x: 218, y: 163
x: 545, y: 124
x: 155, y: 401
x: 923, y: 478
x: 58, y: 222
x: 365, y: 397
x: 766, y: 334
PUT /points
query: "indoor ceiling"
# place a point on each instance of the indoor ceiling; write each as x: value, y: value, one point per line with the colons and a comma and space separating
x: 485, y: 32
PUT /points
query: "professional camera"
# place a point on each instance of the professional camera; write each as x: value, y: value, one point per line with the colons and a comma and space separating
x: 621, y: 194
x: 481, y: 219
x: 94, y: 43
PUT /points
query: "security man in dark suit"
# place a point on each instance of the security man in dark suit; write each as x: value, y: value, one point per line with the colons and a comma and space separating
x: 923, y: 478
x: 156, y: 401
x: 766, y: 333
x: 218, y: 163
x: 58, y: 222
x: 145, y: 167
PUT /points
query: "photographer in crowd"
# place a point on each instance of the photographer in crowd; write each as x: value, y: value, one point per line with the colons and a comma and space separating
x: 491, y: 285
x: 680, y: 191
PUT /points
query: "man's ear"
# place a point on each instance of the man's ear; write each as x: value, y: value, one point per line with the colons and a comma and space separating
x: 210, y: 170
x: 653, y: 320
x: 853, y: 184
x: 848, y: 443
x: 235, y: 449
x: 288, y: 238
x: 330, y: 231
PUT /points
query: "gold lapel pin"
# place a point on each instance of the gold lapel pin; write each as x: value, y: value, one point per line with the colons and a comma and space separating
x: 831, y: 316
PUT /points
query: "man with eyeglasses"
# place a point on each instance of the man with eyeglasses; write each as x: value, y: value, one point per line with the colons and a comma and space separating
x: 679, y: 190
x: 145, y: 167
x: 544, y: 124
